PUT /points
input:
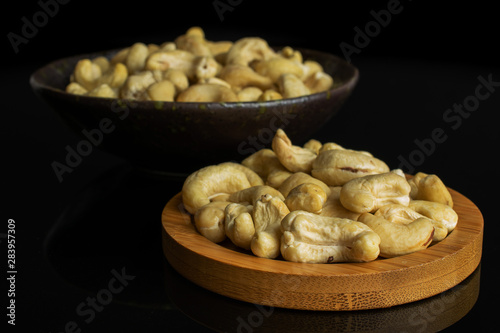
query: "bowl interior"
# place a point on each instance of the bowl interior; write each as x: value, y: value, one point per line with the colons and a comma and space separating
x: 181, y: 137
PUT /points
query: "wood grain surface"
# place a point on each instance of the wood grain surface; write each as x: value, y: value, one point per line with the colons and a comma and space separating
x: 229, y: 271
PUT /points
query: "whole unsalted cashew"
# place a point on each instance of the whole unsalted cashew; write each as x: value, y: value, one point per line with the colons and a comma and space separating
x: 333, y: 207
x: 399, y: 239
x: 211, y: 180
x: 209, y: 220
x: 430, y: 188
x: 268, y: 211
x: 248, y: 49
x: 204, y: 92
x: 336, y: 167
x: 311, y: 238
x: 436, y: 211
x: 251, y: 194
x: 401, y: 214
x: 291, y: 86
x: 240, y: 76
x: 369, y: 193
x: 239, y: 225
x: 299, y: 178
x: 277, y: 66
x: 294, y: 158
x: 308, y: 196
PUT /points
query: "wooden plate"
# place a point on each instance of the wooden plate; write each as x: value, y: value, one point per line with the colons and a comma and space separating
x: 226, y: 270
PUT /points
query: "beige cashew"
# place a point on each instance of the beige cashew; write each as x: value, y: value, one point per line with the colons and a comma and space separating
x: 205, y: 67
x: 294, y: 158
x: 252, y: 194
x: 399, y: 239
x: 268, y: 211
x: 430, y: 188
x: 102, y: 62
x: 207, y: 93
x: 248, y: 49
x: 313, y: 145
x: 115, y: 77
x: 178, y: 78
x: 277, y: 66
x: 400, y: 214
x: 87, y: 74
x: 253, y: 177
x: 291, y: 86
x: 263, y: 162
x: 136, y: 84
x: 103, y: 90
x: 136, y: 57
x: 299, y: 178
x: 333, y: 207
x: 209, y: 221
x: 336, y: 167
x: 436, y: 211
x: 193, y: 41
x: 240, y: 76
x: 311, y: 238
x: 318, y: 82
x: 277, y: 177
x: 178, y: 59
x: 238, y: 224
x: 210, y: 181
x: 76, y: 88
x: 269, y: 95
x: 308, y: 197
x: 160, y: 91
x: 249, y: 94
x: 369, y: 193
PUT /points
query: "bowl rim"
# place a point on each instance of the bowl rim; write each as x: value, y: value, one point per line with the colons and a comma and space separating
x: 38, y: 84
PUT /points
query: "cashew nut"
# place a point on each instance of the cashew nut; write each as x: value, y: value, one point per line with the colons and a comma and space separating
x: 252, y: 194
x: 369, y: 193
x: 207, y: 93
x: 238, y: 224
x: 269, y: 95
x: 401, y: 214
x: 160, y: 91
x: 136, y: 84
x: 277, y: 66
x: 299, y: 178
x: 136, y: 57
x: 249, y: 94
x: 318, y: 82
x: 333, y: 207
x: 179, y: 59
x: 209, y: 221
x: 399, y: 239
x: 291, y: 86
x: 436, y: 211
x: 294, y: 158
x: 263, y: 162
x: 308, y: 197
x: 430, y: 188
x: 209, y: 181
x: 240, y: 76
x: 248, y: 49
x: 103, y: 90
x: 336, y: 167
x: 87, y: 74
x: 311, y: 238
x: 193, y: 41
x: 268, y: 211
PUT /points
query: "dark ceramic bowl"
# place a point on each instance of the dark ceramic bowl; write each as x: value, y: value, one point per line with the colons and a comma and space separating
x: 175, y: 137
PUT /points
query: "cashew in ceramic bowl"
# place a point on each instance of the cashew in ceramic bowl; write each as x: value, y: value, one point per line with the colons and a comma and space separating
x: 207, y: 93
x: 311, y: 238
x: 369, y: 193
x: 240, y: 76
x: 268, y: 211
x: 294, y: 158
x: 337, y: 167
x: 290, y: 86
x: 248, y: 49
x: 399, y: 239
x: 277, y: 66
x: 209, y: 220
x: 212, y: 180
x: 87, y: 74
x: 238, y: 224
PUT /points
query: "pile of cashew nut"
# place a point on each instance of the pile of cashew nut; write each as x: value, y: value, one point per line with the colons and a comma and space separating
x: 194, y: 69
x: 320, y: 203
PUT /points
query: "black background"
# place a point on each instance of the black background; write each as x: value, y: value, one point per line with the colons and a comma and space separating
x: 427, y: 59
